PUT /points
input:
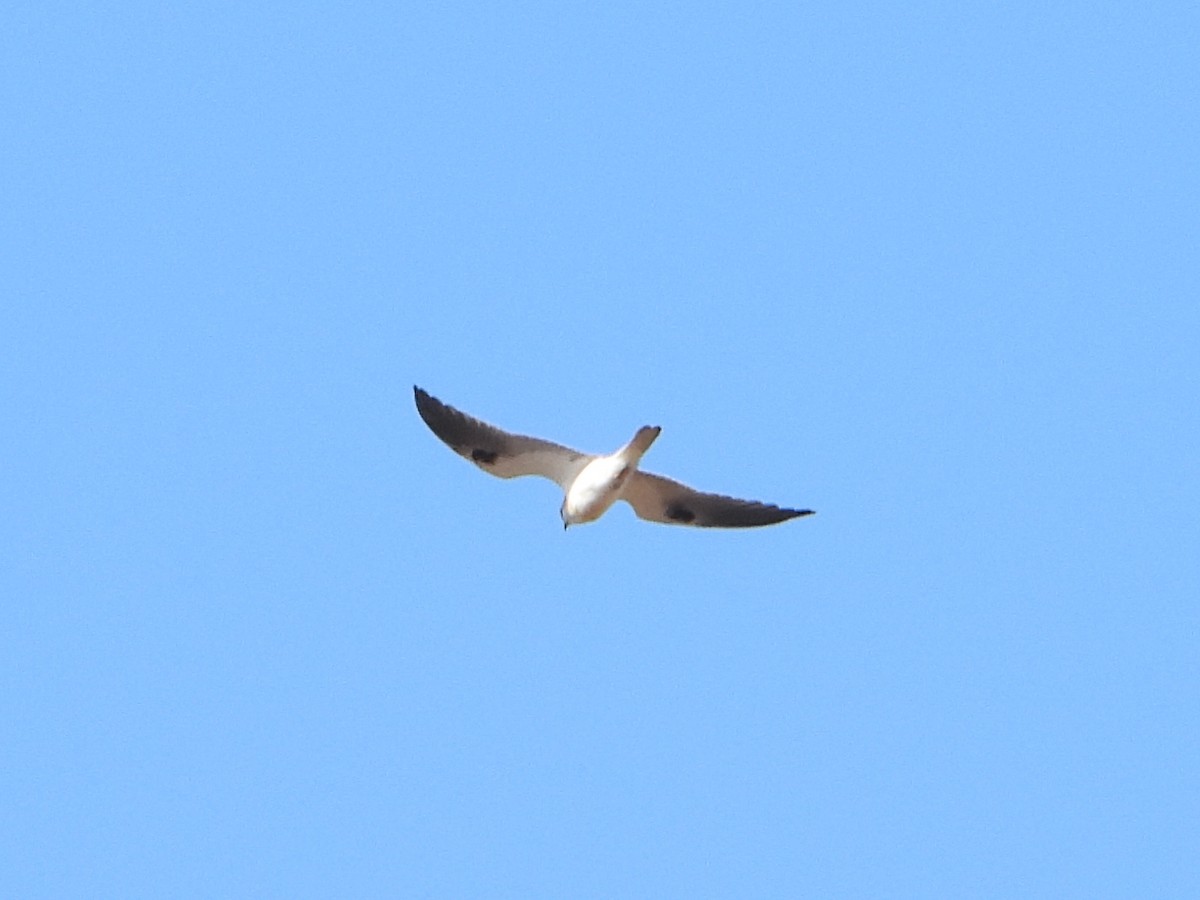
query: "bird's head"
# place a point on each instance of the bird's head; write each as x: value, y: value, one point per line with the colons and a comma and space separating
x: 571, y: 515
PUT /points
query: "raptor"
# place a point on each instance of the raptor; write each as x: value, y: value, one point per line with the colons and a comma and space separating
x: 592, y: 483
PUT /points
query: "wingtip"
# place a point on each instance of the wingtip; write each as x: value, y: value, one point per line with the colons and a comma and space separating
x: 425, y: 402
x: 786, y: 515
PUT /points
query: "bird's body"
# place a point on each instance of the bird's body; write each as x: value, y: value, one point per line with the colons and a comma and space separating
x: 593, y: 483
x: 603, y: 480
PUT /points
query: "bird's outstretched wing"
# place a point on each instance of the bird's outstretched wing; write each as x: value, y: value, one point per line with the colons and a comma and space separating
x: 659, y: 499
x: 496, y: 451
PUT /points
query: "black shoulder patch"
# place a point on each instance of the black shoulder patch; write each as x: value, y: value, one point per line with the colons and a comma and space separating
x: 677, y: 513
x: 487, y: 457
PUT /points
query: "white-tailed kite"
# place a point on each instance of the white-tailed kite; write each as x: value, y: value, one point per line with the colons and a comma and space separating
x: 590, y: 483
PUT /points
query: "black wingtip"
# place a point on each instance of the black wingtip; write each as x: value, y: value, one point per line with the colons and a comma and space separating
x: 786, y: 515
x: 423, y: 398
x: 426, y: 405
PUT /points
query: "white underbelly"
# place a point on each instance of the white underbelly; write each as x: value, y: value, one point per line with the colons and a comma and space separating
x: 597, y: 488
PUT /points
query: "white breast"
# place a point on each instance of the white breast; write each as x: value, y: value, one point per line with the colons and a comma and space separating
x: 596, y: 488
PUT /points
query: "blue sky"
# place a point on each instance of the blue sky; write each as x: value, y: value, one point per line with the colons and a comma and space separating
x: 930, y: 269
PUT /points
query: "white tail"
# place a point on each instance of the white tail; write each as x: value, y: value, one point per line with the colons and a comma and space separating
x: 644, y: 438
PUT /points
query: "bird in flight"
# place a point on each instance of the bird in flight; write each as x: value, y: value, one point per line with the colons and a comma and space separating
x: 593, y: 483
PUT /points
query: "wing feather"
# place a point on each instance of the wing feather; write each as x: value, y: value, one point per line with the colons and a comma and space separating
x: 495, y: 451
x: 658, y: 499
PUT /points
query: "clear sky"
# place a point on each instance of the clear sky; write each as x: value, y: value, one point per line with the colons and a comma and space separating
x: 931, y: 269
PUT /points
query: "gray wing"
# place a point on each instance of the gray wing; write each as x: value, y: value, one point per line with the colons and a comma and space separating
x: 495, y: 451
x: 659, y: 499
